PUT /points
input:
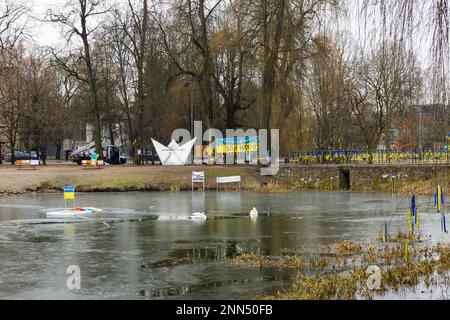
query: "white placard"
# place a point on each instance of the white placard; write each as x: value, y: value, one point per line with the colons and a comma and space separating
x: 228, y: 179
x: 34, y: 162
x: 198, y: 176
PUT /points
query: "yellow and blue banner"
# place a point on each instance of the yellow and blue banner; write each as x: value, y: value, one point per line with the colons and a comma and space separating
x: 237, y: 144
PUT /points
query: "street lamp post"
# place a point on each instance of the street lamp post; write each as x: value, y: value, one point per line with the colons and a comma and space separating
x: 420, y: 128
x: 192, y: 110
x: 419, y: 110
x: 192, y: 121
x: 191, y: 98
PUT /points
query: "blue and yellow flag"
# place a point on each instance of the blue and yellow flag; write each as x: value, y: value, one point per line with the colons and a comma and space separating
x: 439, y: 198
x: 69, y: 193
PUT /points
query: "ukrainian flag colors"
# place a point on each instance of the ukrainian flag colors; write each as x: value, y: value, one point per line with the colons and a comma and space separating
x: 410, y: 221
x: 373, y: 156
x: 237, y: 145
x: 439, y: 198
x: 69, y: 193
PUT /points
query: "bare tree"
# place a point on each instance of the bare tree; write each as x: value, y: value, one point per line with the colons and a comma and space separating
x: 194, y: 28
x: 233, y: 47
x: 12, y: 96
x: 12, y: 26
x: 380, y: 91
x: 76, y: 20
x: 326, y: 76
x: 42, y: 117
x: 136, y: 33
x: 117, y: 35
x: 12, y: 23
x: 413, y: 22
x: 272, y: 17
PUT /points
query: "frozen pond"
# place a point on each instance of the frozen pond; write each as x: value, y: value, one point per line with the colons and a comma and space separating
x: 143, y: 246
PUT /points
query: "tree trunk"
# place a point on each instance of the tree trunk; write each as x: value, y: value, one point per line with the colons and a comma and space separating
x: 92, y: 83
x: 111, y: 133
x: 141, y: 96
x: 13, y: 156
x: 231, y: 117
x: 58, y: 150
x: 271, y: 49
x: 207, y: 73
x: 43, y: 155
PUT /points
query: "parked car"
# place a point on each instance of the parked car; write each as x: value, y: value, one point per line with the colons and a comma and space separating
x: 22, y: 155
x: 123, y: 158
x: 111, y: 154
x: 80, y: 157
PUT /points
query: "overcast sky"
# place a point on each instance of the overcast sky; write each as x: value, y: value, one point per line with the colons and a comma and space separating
x: 49, y: 34
x: 45, y: 33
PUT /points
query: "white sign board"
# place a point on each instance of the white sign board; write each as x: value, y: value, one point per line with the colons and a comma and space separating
x: 228, y: 179
x: 68, y: 145
x: 198, y: 176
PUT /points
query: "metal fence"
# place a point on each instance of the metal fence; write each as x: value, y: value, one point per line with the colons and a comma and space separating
x: 378, y: 157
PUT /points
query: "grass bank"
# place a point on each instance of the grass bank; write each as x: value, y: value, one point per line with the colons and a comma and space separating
x: 53, y: 178
x: 129, y: 178
x: 426, y: 187
x: 402, y: 186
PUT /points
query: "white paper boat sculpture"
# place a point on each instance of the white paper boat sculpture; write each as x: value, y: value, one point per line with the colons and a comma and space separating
x: 174, y: 154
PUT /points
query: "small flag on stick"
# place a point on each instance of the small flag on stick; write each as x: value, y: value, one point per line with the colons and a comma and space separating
x: 69, y: 193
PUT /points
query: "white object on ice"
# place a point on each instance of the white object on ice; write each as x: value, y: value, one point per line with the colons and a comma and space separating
x: 254, y: 213
x: 68, y: 213
x: 198, y: 216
